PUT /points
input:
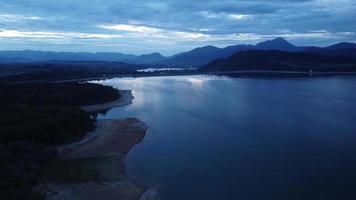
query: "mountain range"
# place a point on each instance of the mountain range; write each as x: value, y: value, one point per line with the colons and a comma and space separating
x: 195, y: 58
x: 275, y: 60
x: 201, y: 56
x: 35, y: 56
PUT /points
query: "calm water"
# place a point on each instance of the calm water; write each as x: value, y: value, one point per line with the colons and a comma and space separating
x: 229, y: 138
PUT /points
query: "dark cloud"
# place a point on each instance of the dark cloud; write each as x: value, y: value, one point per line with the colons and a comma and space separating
x: 170, y: 26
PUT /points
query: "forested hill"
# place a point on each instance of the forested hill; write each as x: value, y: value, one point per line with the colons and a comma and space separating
x: 281, y: 61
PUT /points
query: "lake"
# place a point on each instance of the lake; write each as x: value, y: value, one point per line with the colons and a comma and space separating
x: 215, y: 137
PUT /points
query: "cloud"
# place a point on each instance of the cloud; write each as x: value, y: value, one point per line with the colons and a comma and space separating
x: 15, y: 18
x: 152, y: 32
x: 226, y: 16
x: 131, y: 28
x: 239, y: 16
x: 4, y: 33
x: 28, y: 34
x: 173, y: 25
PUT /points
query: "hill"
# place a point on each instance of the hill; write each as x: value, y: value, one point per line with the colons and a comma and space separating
x: 194, y: 58
x: 202, y: 56
x: 340, y: 49
x: 281, y: 61
x: 36, y: 56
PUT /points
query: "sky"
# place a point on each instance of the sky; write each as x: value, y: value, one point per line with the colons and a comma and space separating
x: 170, y: 26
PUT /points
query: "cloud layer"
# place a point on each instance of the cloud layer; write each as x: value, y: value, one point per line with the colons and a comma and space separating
x: 171, y: 26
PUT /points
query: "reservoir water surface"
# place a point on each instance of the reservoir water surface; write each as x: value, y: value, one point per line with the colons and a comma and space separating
x: 215, y: 137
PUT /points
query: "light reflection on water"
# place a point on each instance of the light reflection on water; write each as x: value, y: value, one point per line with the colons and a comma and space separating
x: 224, y: 138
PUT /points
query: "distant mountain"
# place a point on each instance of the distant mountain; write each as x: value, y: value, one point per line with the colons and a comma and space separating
x: 203, y: 55
x: 342, y: 45
x: 195, y: 58
x: 281, y: 60
x: 278, y: 44
x: 35, y: 56
x: 340, y: 49
x: 147, y: 58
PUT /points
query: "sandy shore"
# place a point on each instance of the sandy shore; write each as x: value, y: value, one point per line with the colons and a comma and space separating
x: 95, y: 169
x: 110, y: 137
x: 125, y: 99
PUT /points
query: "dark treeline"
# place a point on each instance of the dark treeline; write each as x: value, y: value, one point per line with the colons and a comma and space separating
x: 43, y: 125
x: 33, y: 118
x: 62, y: 70
x: 273, y: 60
x: 56, y: 94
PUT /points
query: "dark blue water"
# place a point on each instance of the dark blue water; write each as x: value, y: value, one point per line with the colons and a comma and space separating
x: 229, y: 138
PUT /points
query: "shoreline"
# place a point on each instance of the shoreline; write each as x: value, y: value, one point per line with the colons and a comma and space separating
x: 278, y: 74
x: 237, y: 74
x: 94, y: 167
x: 125, y: 98
x: 252, y: 74
x: 112, y: 136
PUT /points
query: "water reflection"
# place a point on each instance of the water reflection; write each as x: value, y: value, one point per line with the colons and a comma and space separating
x: 224, y: 138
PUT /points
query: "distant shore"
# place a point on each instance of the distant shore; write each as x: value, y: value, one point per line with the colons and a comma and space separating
x: 251, y: 73
x: 287, y: 74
